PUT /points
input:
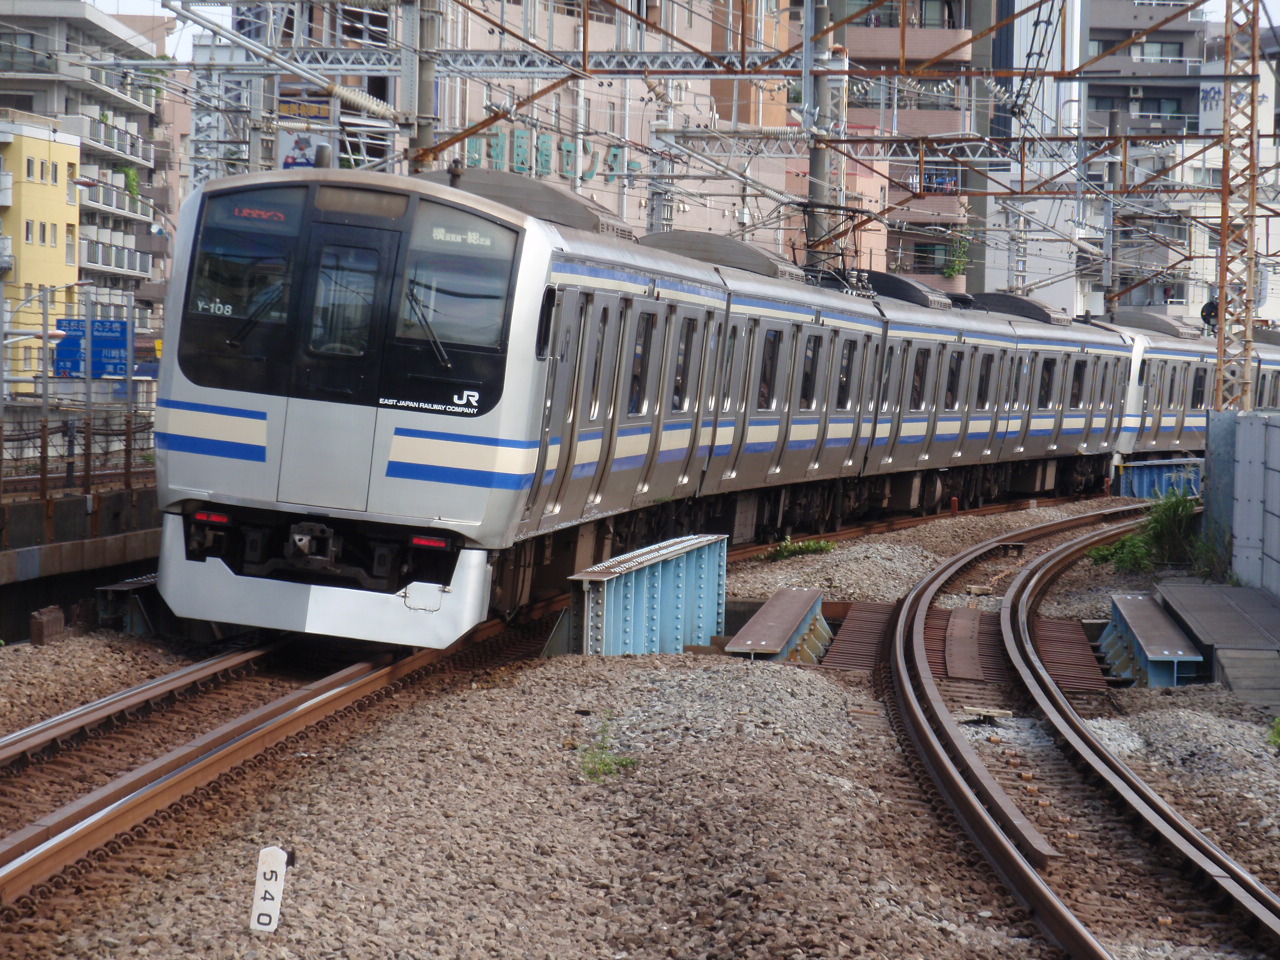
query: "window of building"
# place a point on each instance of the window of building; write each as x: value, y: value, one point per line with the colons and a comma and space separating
x: 1160, y: 106
x: 44, y: 171
x: 30, y: 231
x: 1160, y: 50
x: 1102, y: 104
x: 44, y: 233
x: 31, y: 168
x: 72, y: 196
x: 53, y: 234
x: 928, y: 257
x: 53, y: 173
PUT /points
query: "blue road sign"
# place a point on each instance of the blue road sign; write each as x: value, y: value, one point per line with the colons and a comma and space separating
x: 110, y: 349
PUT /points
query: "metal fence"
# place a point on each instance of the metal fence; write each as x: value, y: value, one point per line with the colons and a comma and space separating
x: 75, y: 450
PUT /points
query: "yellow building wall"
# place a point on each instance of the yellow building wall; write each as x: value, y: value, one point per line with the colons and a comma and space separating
x: 39, y: 222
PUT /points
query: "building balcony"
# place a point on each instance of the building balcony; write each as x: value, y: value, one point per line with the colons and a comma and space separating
x: 1139, y: 14
x: 152, y: 290
x: 6, y: 188
x: 116, y: 87
x: 120, y: 261
x: 118, y: 144
x: 924, y: 42
x: 116, y: 201
x: 7, y: 260
x: 931, y: 208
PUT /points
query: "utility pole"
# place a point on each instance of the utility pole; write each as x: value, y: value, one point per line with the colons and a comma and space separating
x: 818, y: 119
x: 425, y: 109
x: 1237, y: 257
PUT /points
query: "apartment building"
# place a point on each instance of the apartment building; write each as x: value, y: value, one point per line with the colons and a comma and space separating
x: 39, y: 223
x: 63, y: 62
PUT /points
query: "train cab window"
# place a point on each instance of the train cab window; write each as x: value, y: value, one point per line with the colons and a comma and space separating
x: 637, y: 401
x: 1044, y: 395
x: 458, y: 276
x: 1078, y: 371
x: 769, y: 353
x: 344, y: 304
x: 684, y: 352
x: 726, y: 386
x: 985, y: 365
x: 955, y: 367
x: 1198, y: 380
x: 809, y: 373
x: 920, y: 380
x: 844, y: 390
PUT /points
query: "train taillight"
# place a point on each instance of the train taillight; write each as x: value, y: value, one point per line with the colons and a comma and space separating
x: 429, y: 542
x: 208, y: 516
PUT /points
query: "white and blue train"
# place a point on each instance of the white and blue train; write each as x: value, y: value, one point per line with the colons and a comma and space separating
x: 390, y: 407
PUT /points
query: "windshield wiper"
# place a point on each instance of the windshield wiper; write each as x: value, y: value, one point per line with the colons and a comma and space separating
x: 270, y: 299
x: 422, y: 314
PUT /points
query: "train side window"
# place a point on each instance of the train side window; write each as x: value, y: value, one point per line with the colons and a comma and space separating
x: 637, y: 402
x: 1044, y: 396
x: 542, y: 344
x: 1198, y: 381
x: 920, y: 379
x: 809, y: 376
x: 1103, y: 377
x: 726, y: 387
x: 684, y: 351
x: 1275, y: 389
x: 1142, y: 374
x: 844, y: 392
x: 1175, y: 374
x: 769, y: 352
x: 955, y: 366
x: 886, y: 379
x: 1015, y: 391
x: 985, y: 365
x: 1078, y: 371
x: 598, y: 364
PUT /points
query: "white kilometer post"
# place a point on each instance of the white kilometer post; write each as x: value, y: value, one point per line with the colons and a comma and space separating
x: 268, y: 890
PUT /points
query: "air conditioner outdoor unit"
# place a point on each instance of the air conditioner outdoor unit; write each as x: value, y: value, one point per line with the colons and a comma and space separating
x: 1135, y: 93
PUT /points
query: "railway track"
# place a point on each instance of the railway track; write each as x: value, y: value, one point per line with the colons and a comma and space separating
x: 1080, y: 839
x: 77, y: 789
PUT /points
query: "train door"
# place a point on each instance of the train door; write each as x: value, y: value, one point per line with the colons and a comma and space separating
x: 557, y: 347
x: 590, y: 390
x: 674, y: 410
x: 1149, y: 379
x: 982, y: 426
x: 839, y: 428
x: 346, y: 309
x: 641, y: 362
x: 1046, y: 412
x: 727, y: 406
x: 1077, y: 431
x: 945, y: 443
x: 767, y: 384
x: 1016, y: 419
x: 1105, y: 413
x: 708, y: 374
x: 915, y: 401
x: 802, y: 414
x: 1174, y: 413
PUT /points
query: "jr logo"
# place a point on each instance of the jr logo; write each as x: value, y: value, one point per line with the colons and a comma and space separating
x: 469, y: 398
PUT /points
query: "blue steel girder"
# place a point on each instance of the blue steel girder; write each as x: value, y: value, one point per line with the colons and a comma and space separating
x: 530, y: 64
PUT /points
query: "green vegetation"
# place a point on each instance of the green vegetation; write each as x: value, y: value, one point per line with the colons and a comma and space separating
x: 1273, y: 737
x: 599, y: 760
x: 1166, y: 538
x: 796, y: 548
x: 957, y: 257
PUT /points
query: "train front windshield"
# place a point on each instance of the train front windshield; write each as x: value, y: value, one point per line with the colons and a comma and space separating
x: 349, y: 295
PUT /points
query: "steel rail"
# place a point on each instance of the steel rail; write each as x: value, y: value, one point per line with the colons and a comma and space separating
x: 1007, y: 838
x: 1253, y: 898
x: 82, y: 719
x: 67, y: 836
